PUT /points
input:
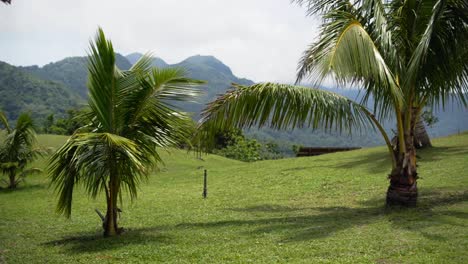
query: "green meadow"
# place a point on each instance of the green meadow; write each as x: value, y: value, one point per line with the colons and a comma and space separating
x: 319, y: 209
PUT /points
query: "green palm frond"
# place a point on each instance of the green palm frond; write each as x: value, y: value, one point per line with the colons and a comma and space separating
x: 19, y: 143
x: 438, y: 64
x: 347, y: 53
x: 4, y: 122
x: 282, y: 106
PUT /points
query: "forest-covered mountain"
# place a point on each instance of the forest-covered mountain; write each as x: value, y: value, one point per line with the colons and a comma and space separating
x: 72, y: 72
x: 24, y: 92
x: 218, y: 76
x: 61, y: 85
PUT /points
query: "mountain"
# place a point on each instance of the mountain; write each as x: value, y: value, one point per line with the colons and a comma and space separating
x: 157, y: 62
x: 219, y: 78
x: 21, y: 92
x: 61, y: 85
x: 72, y: 72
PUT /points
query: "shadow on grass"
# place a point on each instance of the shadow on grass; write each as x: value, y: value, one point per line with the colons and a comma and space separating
x: 268, y: 208
x: 325, y: 221
x: 95, y: 242
x: 23, y: 188
x: 313, y: 223
x: 380, y: 162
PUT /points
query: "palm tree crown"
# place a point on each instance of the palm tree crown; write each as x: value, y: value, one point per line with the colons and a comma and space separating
x: 18, y: 149
x: 130, y: 118
x: 406, y: 55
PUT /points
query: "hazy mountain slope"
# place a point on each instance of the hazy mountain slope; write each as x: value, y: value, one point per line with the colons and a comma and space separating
x: 218, y: 76
x: 21, y: 91
x: 157, y: 62
x: 71, y: 72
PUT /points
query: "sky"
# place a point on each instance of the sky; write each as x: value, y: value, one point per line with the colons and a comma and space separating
x: 261, y: 40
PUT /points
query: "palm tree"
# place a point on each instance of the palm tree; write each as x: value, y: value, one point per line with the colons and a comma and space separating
x: 406, y: 55
x: 18, y: 149
x: 129, y: 119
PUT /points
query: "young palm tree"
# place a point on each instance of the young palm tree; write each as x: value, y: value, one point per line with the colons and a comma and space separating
x: 130, y: 118
x: 18, y: 149
x: 404, y: 54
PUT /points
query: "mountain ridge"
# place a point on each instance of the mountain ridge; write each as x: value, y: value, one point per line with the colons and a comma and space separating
x: 23, y: 92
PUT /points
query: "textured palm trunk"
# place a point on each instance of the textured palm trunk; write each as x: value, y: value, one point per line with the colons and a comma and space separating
x: 110, y: 223
x: 421, y: 138
x: 403, y: 190
x: 12, y: 177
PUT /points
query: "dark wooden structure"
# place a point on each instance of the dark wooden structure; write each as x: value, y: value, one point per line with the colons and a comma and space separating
x: 308, y: 151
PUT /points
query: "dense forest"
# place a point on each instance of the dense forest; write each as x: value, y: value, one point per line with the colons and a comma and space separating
x: 71, y: 72
x: 23, y: 92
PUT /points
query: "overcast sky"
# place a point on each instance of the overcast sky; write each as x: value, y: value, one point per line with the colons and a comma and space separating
x: 259, y: 39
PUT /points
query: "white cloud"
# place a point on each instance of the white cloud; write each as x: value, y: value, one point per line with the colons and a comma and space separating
x: 259, y: 39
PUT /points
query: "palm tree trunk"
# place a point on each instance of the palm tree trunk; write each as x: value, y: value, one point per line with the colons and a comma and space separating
x: 12, y: 178
x: 403, y: 189
x: 421, y: 138
x: 110, y: 223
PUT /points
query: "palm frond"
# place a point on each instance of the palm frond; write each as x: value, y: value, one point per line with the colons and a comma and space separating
x: 438, y: 65
x: 282, y: 106
x: 102, y: 82
x: 348, y: 54
x: 4, y: 122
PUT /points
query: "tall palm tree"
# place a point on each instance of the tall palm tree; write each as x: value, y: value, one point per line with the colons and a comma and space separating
x: 18, y: 149
x: 404, y: 54
x: 130, y: 118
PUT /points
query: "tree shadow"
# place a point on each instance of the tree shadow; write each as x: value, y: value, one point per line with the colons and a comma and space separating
x: 95, y: 242
x: 267, y: 208
x: 311, y: 223
x: 320, y: 222
x: 295, y: 169
x: 23, y: 188
x: 439, y: 153
x: 380, y: 163
x: 376, y: 162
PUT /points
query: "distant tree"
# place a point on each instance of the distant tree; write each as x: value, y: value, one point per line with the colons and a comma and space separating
x: 406, y: 55
x: 129, y: 120
x: 18, y: 149
x: 75, y: 119
x: 49, y: 122
x: 6, y: 1
x: 241, y: 148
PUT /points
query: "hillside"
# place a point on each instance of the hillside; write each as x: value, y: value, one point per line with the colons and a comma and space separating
x: 219, y: 78
x: 72, y: 72
x: 23, y: 92
x: 71, y: 75
x: 305, y: 210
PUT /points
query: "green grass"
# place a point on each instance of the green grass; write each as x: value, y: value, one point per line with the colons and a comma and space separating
x: 305, y: 210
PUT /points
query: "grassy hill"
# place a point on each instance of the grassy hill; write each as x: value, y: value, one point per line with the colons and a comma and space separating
x: 327, y: 208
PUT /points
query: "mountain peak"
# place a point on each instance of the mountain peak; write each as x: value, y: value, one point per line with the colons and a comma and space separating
x: 208, y: 60
x: 157, y: 62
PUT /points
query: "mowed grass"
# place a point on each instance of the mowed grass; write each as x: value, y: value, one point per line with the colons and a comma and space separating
x: 327, y: 208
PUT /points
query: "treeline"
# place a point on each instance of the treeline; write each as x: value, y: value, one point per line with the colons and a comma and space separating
x: 232, y: 144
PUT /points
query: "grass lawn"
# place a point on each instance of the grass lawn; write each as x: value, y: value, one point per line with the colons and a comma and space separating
x: 327, y: 208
